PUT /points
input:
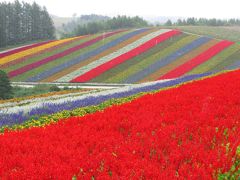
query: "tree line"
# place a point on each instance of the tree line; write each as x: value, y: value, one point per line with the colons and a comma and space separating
x: 203, y: 22
x: 22, y: 22
x: 118, y: 22
x: 81, y: 20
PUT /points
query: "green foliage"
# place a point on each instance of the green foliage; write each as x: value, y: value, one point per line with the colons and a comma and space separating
x: 69, y: 27
x: 39, y: 89
x: 207, y: 22
x: 168, y: 23
x: 66, y: 88
x: 234, y: 172
x: 54, y: 88
x: 22, y: 22
x: 118, y: 22
x: 5, y: 86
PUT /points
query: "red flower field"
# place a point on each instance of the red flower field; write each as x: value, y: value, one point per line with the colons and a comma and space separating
x: 189, y: 132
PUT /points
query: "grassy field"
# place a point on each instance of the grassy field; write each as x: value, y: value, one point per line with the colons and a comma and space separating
x: 221, y: 32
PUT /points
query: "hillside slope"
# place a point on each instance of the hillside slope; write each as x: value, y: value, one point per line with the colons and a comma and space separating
x: 122, y: 56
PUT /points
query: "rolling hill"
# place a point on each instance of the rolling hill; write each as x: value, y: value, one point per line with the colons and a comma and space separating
x: 122, y: 56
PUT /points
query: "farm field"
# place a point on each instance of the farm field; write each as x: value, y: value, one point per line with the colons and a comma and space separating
x: 121, y: 90
x: 158, y: 130
x: 220, y: 32
x: 122, y: 56
x: 168, y: 107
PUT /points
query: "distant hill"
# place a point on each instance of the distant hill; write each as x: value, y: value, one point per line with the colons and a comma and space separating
x: 121, y: 56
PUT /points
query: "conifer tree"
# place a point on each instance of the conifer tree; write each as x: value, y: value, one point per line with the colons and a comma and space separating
x: 5, y: 86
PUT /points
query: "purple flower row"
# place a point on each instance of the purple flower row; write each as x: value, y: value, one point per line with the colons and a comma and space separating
x: 167, y: 60
x: 18, y: 118
x: 83, y: 57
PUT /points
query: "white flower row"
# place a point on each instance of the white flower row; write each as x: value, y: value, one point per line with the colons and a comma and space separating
x: 111, y: 56
x: 28, y: 107
x: 7, y: 105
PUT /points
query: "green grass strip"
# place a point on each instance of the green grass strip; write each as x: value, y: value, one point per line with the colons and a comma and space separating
x: 127, y: 64
x: 50, y: 53
x: 125, y: 73
x: 62, y: 60
x: 227, y: 62
x: 216, y: 60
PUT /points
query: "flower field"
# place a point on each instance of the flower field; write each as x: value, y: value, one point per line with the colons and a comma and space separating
x: 122, y: 56
x: 33, y: 109
x: 185, y: 128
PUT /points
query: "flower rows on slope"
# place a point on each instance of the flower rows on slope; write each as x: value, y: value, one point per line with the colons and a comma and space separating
x: 33, y: 50
x: 180, y: 133
x: 142, y: 45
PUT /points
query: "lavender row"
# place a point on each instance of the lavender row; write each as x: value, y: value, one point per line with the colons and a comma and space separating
x: 167, y: 60
x: 48, y: 108
x: 85, y: 56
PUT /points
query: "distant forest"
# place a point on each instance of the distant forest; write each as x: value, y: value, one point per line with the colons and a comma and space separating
x: 203, y: 22
x: 82, y: 20
x: 22, y: 22
x: 102, y: 23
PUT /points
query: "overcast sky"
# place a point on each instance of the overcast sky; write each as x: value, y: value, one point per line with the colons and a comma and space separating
x: 183, y: 8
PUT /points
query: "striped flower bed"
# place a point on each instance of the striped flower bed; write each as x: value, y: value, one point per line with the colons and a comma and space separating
x: 123, y: 56
x: 34, y: 50
x: 167, y: 60
x: 181, y: 70
x: 14, y: 51
x: 109, y: 57
x: 28, y: 67
x: 134, y: 65
x: 120, y: 45
x: 61, y: 43
x: 90, y: 74
x: 84, y: 56
x: 179, y: 61
x: 220, y: 58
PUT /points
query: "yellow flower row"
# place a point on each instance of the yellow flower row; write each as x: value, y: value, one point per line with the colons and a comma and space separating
x: 34, y: 50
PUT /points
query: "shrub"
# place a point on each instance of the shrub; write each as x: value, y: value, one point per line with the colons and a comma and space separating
x: 5, y: 86
x: 54, y: 88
